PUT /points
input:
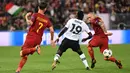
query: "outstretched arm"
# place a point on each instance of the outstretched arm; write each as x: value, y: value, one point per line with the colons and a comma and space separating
x: 52, y: 35
x: 61, y: 33
x: 51, y: 32
x: 89, y: 37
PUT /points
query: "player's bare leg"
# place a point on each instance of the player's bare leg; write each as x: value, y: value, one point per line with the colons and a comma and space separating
x: 91, y: 53
x: 56, y: 61
x: 38, y: 49
x: 113, y: 59
x: 21, y: 64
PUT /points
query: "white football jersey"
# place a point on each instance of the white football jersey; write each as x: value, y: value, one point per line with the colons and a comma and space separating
x: 75, y: 28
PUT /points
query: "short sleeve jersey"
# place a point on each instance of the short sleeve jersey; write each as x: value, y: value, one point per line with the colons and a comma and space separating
x: 96, y: 27
x: 40, y: 23
x: 75, y: 28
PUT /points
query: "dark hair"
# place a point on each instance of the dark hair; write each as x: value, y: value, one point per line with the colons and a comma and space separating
x: 42, y: 5
x: 80, y: 15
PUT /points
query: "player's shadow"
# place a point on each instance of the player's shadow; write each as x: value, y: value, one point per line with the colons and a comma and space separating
x: 69, y: 70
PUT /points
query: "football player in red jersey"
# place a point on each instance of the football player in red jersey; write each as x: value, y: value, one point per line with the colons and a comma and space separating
x: 38, y: 23
x: 100, y: 39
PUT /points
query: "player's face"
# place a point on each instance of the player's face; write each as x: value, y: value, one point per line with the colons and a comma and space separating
x: 89, y: 18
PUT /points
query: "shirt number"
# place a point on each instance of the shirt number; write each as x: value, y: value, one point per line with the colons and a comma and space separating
x: 41, y: 25
x: 76, y: 29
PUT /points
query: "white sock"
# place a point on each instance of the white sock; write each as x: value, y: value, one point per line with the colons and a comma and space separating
x: 83, y: 58
x: 57, y: 56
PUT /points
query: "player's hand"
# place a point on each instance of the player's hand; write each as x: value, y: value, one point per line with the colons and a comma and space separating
x: 108, y: 33
x: 53, y: 43
x: 84, y: 39
x: 57, y: 40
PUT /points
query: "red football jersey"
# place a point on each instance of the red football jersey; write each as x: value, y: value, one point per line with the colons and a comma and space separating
x: 40, y: 23
x: 96, y: 27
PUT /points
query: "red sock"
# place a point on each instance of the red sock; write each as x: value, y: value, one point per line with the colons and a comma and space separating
x: 91, y: 52
x: 28, y: 51
x: 21, y: 64
x: 112, y: 59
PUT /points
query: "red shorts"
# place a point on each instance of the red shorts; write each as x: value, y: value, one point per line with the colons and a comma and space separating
x: 31, y: 42
x: 98, y: 41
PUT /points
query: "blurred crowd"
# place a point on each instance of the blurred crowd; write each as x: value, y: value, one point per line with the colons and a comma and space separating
x: 59, y: 11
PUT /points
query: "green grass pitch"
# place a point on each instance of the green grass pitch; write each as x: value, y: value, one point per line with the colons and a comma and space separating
x: 70, y: 61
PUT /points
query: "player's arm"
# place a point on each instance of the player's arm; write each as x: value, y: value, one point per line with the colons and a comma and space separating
x: 61, y: 33
x: 87, y: 30
x: 102, y: 25
x: 89, y: 37
x: 51, y: 32
x: 52, y: 35
x: 63, y: 30
x: 28, y: 20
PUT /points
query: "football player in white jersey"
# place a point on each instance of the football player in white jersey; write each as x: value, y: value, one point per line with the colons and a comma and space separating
x: 72, y: 32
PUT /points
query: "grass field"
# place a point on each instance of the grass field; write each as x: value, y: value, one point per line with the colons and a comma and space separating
x: 70, y: 61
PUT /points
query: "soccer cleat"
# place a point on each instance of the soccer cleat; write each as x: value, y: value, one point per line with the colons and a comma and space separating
x: 54, y: 64
x: 118, y: 63
x: 17, y: 72
x: 87, y: 68
x: 93, y: 63
x: 38, y: 49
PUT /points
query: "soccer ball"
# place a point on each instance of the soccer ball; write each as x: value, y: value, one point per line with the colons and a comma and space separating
x: 107, y: 53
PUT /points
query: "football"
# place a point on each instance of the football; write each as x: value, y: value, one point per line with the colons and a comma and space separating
x: 107, y: 53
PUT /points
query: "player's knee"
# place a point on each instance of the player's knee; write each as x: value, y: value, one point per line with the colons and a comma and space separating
x: 79, y: 52
x: 60, y: 52
x: 21, y: 53
x: 89, y: 47
x: 101, y: 50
